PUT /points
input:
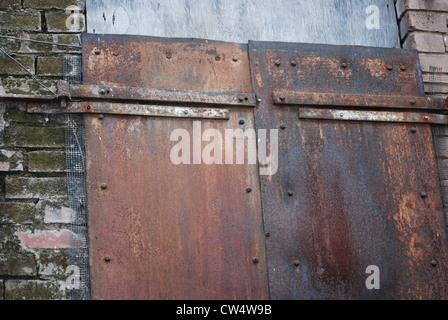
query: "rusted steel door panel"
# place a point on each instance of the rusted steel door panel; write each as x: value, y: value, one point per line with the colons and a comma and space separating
x: 170, y: 231
x: 348, y: 194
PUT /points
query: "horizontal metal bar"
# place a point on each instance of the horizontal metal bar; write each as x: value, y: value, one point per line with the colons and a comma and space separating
x: 133, y: 109
x: 367, y: 115
x: 285, y: 97
x: 28, y: 97
x: 161, y: 95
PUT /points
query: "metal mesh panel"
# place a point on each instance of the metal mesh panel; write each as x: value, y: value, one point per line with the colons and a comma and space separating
x: 76, y: 182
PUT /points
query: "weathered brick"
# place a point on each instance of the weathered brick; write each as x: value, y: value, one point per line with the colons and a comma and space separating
x: 423, y: 21
x: 51, y: 66
x: 438, y: 62
x: 436, y: 87
x: 29, y: 21
x: 57, y: 239
x: 12, y: 68
x: 27, y: 86
x: 16, y: 112
x: 59, y: 214
x: 35, y: 290
x: 429, y: 5
x: 425, y: 42
x: 10, y: 4
x: 34, y: 188
x: 53, y: 263
x: 11, y: 161
x: 53, y: 4
x: 57, y: 22
x: 22, y: 213
x: 23, y: 136
x: 15, y: 263
x: 46, y: 161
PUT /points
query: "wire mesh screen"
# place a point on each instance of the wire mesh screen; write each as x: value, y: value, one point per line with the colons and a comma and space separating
x: 76, y: 183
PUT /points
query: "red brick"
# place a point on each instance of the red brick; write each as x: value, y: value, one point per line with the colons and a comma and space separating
x: 429, y: 5
x: 437, y: 61
x: 56, y: 239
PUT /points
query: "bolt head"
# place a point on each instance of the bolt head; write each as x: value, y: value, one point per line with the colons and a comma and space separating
x: 344, y: 65
x: 255, y: 260
x: 282, y: 97
x: 282, y: 126
x: 296, y: 263
x: 412, y: 102
x: 248, y: 189
x: 258, y: 100
x: 390, y: 67
x: 413, y: 130
x: 107, y: 258
x: 103, y: 186
x: 434, y: 263
x: 268, y: 234
x: 290, y: 193
x: 235, y: 58
x: 241, y: 122
x: 423, y: 195
x: 293, y: 63
x: 277, y: 63
x: 101, y: 117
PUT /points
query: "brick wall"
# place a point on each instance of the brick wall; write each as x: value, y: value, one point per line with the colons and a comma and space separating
x: 36, y: 237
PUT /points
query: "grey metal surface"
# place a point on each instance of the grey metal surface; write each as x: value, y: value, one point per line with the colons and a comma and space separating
x: 318, y: 21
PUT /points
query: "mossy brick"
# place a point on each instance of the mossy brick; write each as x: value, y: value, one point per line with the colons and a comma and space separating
x: 16, y: 112
x: 46, y: 161
x: 34, y: 137
x: 23, y: 21
x: 57, y: 22
x: 53, y: 4
x: 16, y: 263
x: 10, y: 4
x: 11, y: 161
x: 50, y: 66
x: 27, y: 86
x: 35, y: 188
x: 18, y: 213
x: 53, y: 263
x: 35, y: 290
x: 12, y: 68
x: 2, y: 122
x: 8, y: 238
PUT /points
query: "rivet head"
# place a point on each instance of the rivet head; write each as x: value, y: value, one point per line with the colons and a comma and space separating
x: 115, y: 53
x: 217, y: 58
x: 293, y: 63
x: 97, y: 51
x: 344, y: 65
x: 169, y: 56
x: 296, y: 263
x: 268, y: 234
x: 101, y: 117
x: 102, y: 91
x: 277, y: 63
x: 248, y: 189
x: 258, y: 100
x: 403, y: 68
x: 240, y: 99
x: 423, y: 195
x: 255, y: 260
x: 107, y: 258
x: 103, y: 186
x: 290, y: 193
x: 413, y: 130
x: 412, y: 102
x: 241, y: 122
x: 426, y: 118
x: 89, y: 107
x: 282, y: 97
x: 235, y: 58
x: 389, y: 67
x: 282, y: 126
x: 434, y: 263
